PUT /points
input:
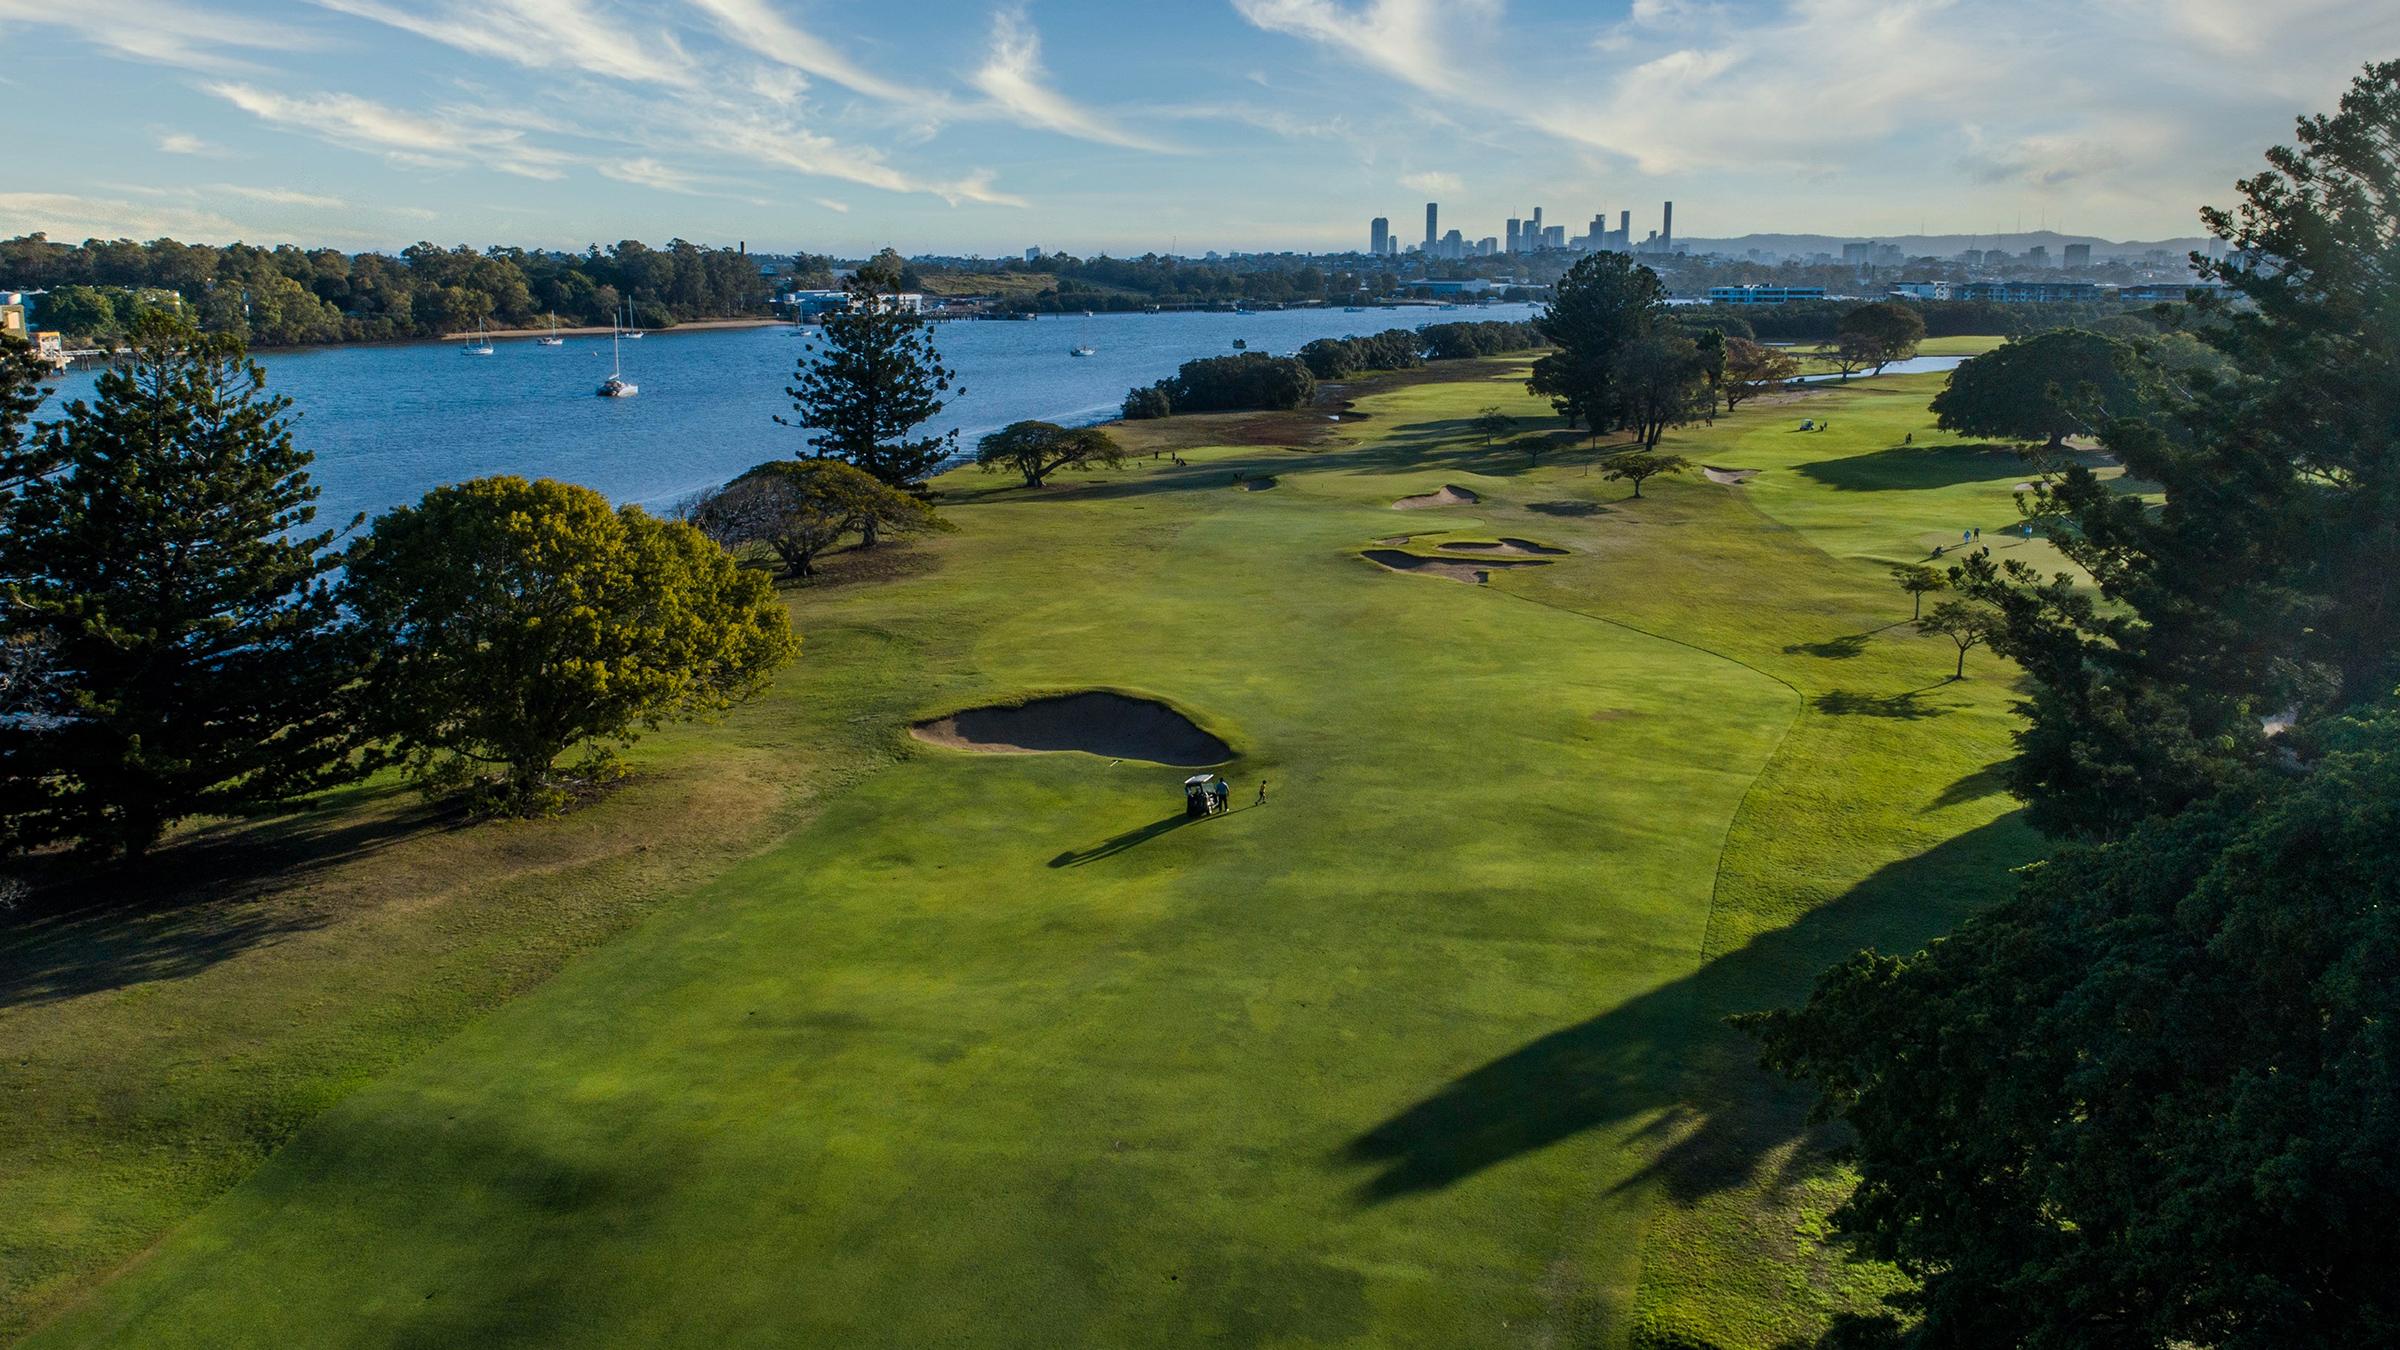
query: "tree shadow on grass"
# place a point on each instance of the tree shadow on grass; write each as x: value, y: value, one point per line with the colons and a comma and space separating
x: 212, y: 895
x: 1666, y: 1057
x: 1984, y: 782
x: 1908, y: 467
x: 1831, y: 649
x: 1908, y: 707
x: 1109, y: 848
x: 1570, y: 508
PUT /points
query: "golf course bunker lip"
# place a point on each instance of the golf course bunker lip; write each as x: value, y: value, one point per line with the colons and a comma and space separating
x: 1256, y: 484
x: 1095, y: 721
x: 1472, y: 573
x: 1729, y: 477
x: 1521, y: 548
x: 1448, y: 494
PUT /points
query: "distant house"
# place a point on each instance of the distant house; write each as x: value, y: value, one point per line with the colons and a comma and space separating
x: 1763, y: 295
x: 12, y: 315
x: 1922, y: 290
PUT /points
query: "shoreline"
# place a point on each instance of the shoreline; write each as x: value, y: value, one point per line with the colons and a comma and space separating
x: 688, y: 325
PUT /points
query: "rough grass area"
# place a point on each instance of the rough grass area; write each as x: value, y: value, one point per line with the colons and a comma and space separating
x: 818, y: 1035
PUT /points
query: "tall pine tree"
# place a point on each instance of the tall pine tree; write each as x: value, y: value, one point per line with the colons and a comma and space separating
x: 876, y: 377
x: 161, y: 560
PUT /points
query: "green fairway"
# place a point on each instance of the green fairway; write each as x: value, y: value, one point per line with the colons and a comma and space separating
x: 1426, y: 1049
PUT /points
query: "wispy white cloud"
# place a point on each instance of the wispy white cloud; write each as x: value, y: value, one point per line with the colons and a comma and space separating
x: 274, y: 196
x: 539, y: 35
x: 1431, y: 182
x: 647, y: 172
x: 185, y: 143
x: 1412, y: 40
x: 410, y: 138
x: 160, y: 32
x: 758, y: 26
x: 64, y: 215
x: 1013, y: 79
x: 839, y: 208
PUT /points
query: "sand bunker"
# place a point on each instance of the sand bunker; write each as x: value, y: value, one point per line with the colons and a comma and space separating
x: 1095, y: 722
x: 1729, y: 477
x: 1473, y: 574
x: 1522, y: 548
x: 2022, y: 487
x: 1449, y: 495
x: 1255, y: 484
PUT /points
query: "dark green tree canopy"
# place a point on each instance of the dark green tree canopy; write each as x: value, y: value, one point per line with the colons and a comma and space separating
x: 510, y: 622
x: 1605, y: 302
x: 1883, y: 331
x: 797, y: 509
x: 2070, y: 382
x: 2149, y: 1102
x: 161, y: 560
x: 873, y: 380
x: 1638, y: 466
x: 1038, y: 449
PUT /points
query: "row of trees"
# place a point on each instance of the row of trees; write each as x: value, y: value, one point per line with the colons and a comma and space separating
x: 288, y: 296
x: 181, y: 640
x: 1254, y: 380
x: 2147, y: 1102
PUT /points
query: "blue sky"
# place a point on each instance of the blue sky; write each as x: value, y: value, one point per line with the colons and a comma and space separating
x: 1125, y: 126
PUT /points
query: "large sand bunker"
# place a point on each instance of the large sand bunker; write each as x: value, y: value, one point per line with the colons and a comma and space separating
x: 1729, y: 477
x: 1474, y: 573
x: 1521, y: 548
x: 1096, y: 722
x: 1448, y: 495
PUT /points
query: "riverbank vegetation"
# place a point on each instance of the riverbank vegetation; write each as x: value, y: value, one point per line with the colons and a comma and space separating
x: 290, y: 296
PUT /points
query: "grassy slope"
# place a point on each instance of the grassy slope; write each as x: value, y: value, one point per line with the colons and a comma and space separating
x: 995, y: 1050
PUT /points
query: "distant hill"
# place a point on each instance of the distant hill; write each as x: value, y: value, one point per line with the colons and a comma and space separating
x: 1939, y: 245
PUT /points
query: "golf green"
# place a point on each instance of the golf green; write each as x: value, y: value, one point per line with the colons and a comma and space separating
x: 1424, y: 1049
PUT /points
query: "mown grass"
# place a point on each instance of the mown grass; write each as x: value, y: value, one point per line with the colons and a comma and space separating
x: 996, y: 1050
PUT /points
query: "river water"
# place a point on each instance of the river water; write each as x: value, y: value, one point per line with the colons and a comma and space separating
x: 388, y: 423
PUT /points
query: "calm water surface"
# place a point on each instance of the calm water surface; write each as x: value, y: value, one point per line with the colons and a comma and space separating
x: 388, y: 423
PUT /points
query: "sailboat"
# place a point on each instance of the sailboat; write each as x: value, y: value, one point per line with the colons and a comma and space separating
x: 616, y: 385
x: 552, y: 339
x: 1083, y: 343
x: 478, y: 345
x: 630, y: 330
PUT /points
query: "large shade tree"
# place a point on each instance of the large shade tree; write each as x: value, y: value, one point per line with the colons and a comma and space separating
x: 875, y: 377
x: 159, y: 559
x: 1036, y: 450
x: 2067, y: 382
x: 1604, y: 303
x: 2147, y: 1103
x: 797, y: 509
x: 511, y: 622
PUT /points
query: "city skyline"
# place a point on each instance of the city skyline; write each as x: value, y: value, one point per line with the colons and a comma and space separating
x: 1251, y: 125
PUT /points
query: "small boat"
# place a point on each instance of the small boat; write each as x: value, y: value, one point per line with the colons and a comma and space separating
x: 552, y: 339
x: 1082, y: 349
x: 616, y: 385
x: 1354, y: 309
x: 478, y: 345
x: 631, y: 333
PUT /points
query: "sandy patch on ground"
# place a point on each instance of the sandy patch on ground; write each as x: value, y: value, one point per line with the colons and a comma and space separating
x: 1729, y: 477
x: 1518, y: 548
x: 1096, y: 722
x: 1447, y: 495
x: 1473, y: 574
x: 1255, y: 484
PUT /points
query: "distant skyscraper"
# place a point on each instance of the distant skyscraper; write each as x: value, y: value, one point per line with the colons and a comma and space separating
x: 1625, y: 230
x: 1535, y: 225
x: 1033, y: 254
x: 1554, y: 236
x: 1454, y: 245
x: 1516, y: 233
x: 2078, y: 255
x: 1379, y: 236
x: 1666, y: 229
x: 1432, y: 231
x: 1487, y: 246
x: 1599, y: 234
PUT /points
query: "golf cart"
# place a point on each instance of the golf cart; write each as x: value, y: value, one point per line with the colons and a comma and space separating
x: 1204, y: 794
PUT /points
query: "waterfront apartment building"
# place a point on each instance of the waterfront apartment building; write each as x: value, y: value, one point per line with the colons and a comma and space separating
x: 1763, y: 295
